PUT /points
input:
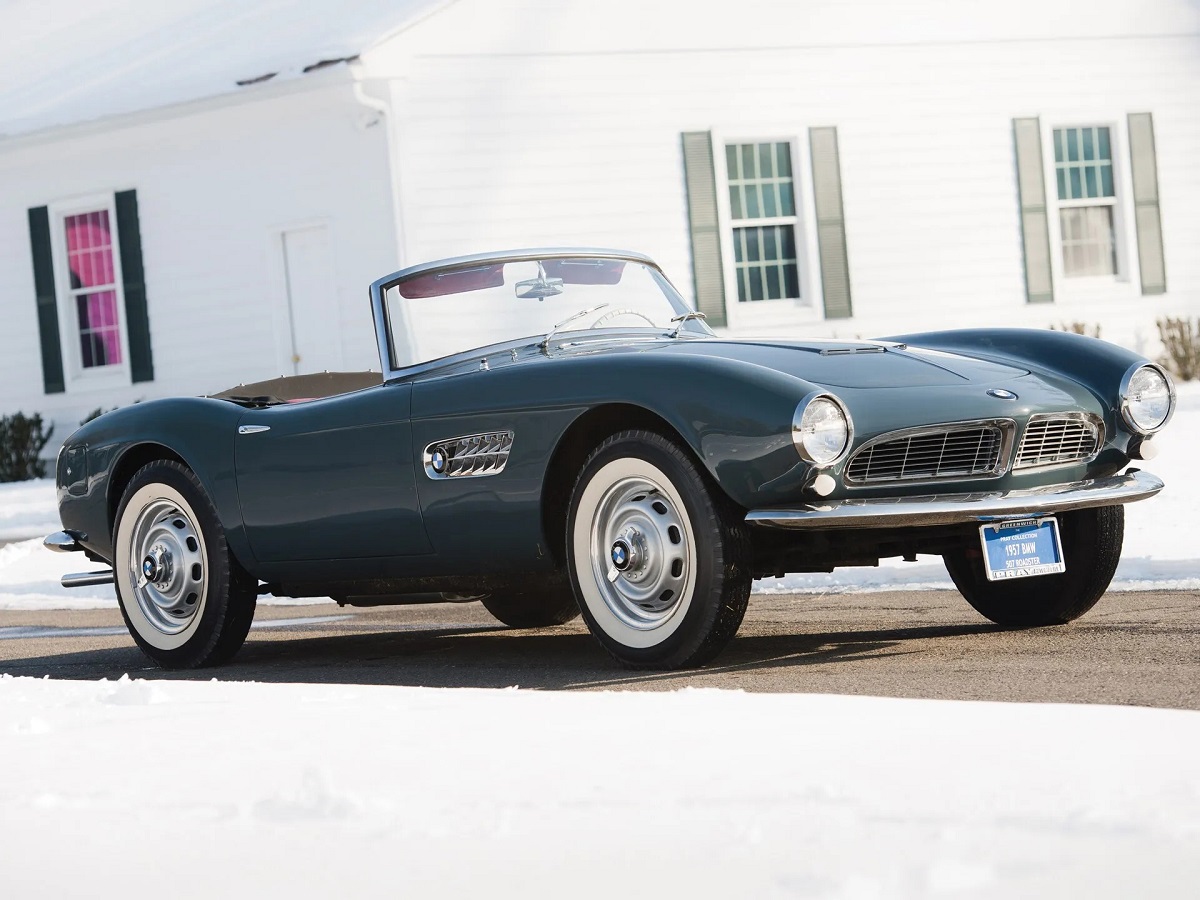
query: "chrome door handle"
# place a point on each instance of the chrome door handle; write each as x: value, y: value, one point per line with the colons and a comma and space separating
x: 253, y: 429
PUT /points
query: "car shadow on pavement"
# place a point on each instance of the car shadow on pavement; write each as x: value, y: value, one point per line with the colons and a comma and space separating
x: 492, y: 657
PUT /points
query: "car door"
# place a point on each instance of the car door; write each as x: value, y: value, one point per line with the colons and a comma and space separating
x: 331, y: 479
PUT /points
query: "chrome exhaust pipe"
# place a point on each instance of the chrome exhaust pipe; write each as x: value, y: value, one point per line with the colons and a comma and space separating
x: 87, y: 579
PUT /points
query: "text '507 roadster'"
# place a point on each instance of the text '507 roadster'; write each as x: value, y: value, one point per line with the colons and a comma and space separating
x: 605, y: 453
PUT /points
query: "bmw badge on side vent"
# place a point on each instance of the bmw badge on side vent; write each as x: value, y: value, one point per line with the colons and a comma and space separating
x: 473, y: 455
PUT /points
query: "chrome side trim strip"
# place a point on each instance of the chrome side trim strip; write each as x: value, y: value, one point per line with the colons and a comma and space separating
x: 87, y: 579
x: 253, y: 429
x: 952, y: 509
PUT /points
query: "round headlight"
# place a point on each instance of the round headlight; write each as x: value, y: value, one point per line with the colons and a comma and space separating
x: 1147, y: 399
x: 821, y: 430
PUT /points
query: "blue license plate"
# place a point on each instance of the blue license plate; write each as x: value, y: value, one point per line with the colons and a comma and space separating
x: 1021, y: 548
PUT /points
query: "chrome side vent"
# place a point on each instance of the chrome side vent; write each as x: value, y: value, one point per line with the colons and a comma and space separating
x: 1055, y: 439
x: 956, y: 450
x: 471, y: 456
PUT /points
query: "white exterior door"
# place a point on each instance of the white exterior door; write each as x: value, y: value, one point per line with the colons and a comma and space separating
x: 314, y: 333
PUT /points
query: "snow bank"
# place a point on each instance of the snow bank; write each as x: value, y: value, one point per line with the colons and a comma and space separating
x: 203, y: 789
x: 1160, y: 551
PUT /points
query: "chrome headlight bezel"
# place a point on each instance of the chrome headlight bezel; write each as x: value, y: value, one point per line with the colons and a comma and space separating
x: 798, y: 439
x: 1127, y: 414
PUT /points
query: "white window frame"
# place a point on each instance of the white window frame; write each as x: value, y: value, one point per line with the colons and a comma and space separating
x: 1088, y: 289
x: 767, y: 314
x: 77, y: 377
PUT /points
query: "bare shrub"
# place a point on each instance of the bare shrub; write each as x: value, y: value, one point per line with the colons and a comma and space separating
x: 1078, y: 328
x: 1181, y: 340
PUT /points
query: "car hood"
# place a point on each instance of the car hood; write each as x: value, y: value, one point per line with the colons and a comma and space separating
x: 855, y: 364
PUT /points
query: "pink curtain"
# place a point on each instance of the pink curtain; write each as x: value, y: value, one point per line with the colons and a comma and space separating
x: 90, y: 255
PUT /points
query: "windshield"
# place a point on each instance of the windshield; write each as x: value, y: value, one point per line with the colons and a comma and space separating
x: 448, y: 311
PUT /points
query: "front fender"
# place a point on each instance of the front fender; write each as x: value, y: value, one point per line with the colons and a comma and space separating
x: 197, y: 430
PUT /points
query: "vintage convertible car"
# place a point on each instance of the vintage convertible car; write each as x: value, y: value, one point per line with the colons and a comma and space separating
x: 604, y: 452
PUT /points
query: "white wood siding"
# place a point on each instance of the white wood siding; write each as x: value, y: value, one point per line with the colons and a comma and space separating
x: 530, y: 123
x: 214, y: 190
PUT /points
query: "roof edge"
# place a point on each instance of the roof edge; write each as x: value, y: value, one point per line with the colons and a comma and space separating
x: 330, y: 76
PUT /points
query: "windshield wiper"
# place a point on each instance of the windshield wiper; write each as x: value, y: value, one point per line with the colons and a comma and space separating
x: 567, y: 321
x: 681, y: 320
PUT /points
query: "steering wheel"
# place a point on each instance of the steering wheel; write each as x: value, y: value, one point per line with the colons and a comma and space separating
x: 614, y: 313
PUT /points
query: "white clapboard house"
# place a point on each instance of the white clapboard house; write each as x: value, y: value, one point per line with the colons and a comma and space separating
x: 197, y: 193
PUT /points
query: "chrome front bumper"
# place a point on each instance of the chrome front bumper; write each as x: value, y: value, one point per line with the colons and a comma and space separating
x: 953, y: 509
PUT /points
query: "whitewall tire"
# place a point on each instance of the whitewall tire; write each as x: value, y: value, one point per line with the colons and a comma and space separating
x: 658, y: 557
x: 185, y: 599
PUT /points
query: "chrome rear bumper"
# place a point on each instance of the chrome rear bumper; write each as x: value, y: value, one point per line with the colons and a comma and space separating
x: 952, y: 509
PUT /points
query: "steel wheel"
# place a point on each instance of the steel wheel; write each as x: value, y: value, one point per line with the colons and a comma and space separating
x: 167, y: 565
x: 642, y: 549
x: 658, y: 556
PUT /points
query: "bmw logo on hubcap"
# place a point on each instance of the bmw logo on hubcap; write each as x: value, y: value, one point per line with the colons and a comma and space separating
x: 1001, y: 394
x: 620, y: 555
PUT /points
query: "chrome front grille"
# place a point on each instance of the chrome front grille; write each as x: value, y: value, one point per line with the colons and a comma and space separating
x: 952, y: 451
x: 1056, y: 438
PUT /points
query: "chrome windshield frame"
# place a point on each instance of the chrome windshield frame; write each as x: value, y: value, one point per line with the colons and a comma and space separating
x: 378, y: 290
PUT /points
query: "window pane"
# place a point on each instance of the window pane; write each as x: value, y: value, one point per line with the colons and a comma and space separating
x: 1092, y: 188
x: 1106, y: 183
x: 1072, y: 145
x: 756, y: 285
x: 752, y: 206
x: 789, y: 243
x: 770, y: 206
x: 787, y: 206
x: 752, y: 249
x: 1062, y: 185
x: 774, y: 288
x: 769, y: 243
x: 763, y: 175
x: 1088, y: 242
x: 767, y: 270
x: 783, y: 159
x: 1076, y: 184
x: 735, y: 201
x: 766, y: 167
x: 1058, y: 145
x: 92, y: 276
x: 749, y: 169
x: 791, y: 277
x: 1103, y: 142
x: 1089, y: 150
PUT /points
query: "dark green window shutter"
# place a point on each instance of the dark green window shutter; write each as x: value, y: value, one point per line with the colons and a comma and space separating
x: 137, y: 318
x: 47, y: 301
x: 1035, y: 227
x: 704, y: 225
x: 831, y: 222
x: 1145, y: 198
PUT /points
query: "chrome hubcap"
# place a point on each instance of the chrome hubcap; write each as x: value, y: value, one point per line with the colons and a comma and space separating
x: 640, y: 556
x: 167, y: 566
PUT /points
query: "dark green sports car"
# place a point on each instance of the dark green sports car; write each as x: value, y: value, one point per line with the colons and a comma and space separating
x: 604, y: 452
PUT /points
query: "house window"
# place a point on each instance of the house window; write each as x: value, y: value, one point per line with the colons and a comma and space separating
x: 91, y: 284
x: 1086, y: 200
x: 763, y: 206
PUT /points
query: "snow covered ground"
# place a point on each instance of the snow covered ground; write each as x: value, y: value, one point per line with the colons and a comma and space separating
x: 1161, y: 551
x: 215, y: 789
x: 210, y: 788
